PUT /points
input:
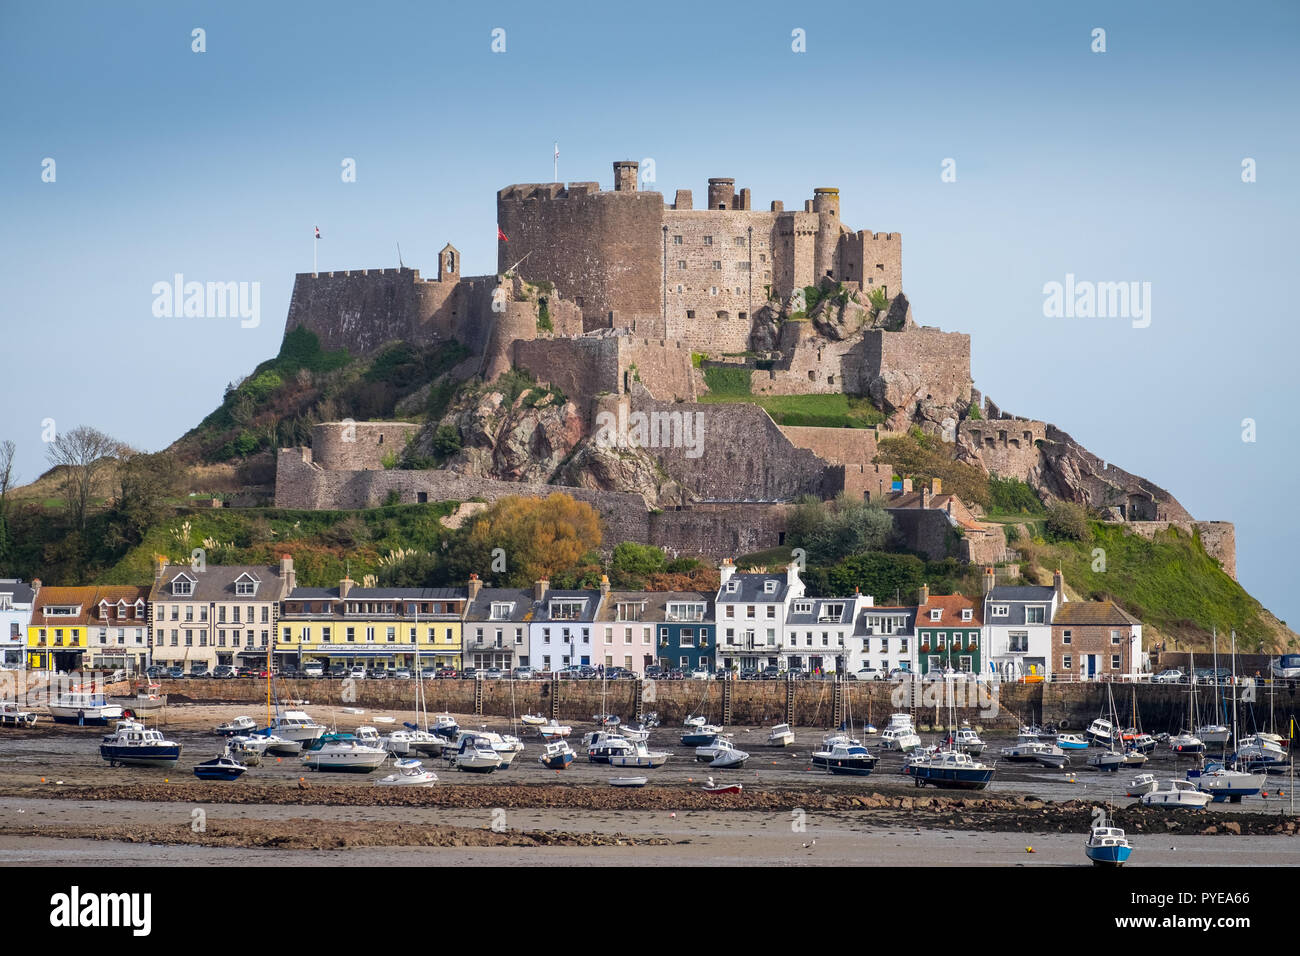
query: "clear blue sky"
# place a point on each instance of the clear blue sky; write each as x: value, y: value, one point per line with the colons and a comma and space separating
x: 1117, y: 166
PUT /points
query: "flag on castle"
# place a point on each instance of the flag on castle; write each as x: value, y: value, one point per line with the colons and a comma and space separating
x: 318, y: 232
x: 501, y: 235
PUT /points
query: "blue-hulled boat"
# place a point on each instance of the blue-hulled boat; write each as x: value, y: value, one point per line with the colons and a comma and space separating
x: 949, y: 770
x: 557, y: 756
x: 1107, y: 846
x: 845, y: 758
x: 700, y: 736
x: 223, y: 767
x: 1224, y: 784
x: 134, y: 745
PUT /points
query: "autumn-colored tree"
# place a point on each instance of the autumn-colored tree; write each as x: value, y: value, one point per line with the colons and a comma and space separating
x: 537, y: 538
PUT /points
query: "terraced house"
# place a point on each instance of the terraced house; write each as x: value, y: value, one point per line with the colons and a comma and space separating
x: 687, y: 631
x: 888, y: 636
x: 1095, y: 640
x: 496, y: 627
x: 216, y: 614
x: 949, y: 633
x: 751, y: 610
x: 560, y: 634
x: 85, y: 628
x: 819, y: 634
x: 15, y: 616
x: 1018, y: 627
x: 375, y: 628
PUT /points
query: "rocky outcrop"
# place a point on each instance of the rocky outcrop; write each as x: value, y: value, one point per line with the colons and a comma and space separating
x: 607, y: 468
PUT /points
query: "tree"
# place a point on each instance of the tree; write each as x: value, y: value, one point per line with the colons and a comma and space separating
x: 7, y: 478
x: 537, y: 538
x: 632, y: 563
x: 84, y: 453
x: 1066, y: 519
x: 145, y: 482
x: 834, y: 530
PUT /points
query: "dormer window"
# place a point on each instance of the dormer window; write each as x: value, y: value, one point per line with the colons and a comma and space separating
x: 630, y: 612
x: 803, y: 607
x: 769, y: 587
x: 831, y: 612
x: 566, y: 610
x: 733, y: 587
x: 246, y: 585
x: 1000, y: 610
x: 966, y: 614
x: 182, y: 586
x: 935, y: 613
x: 501, y: 611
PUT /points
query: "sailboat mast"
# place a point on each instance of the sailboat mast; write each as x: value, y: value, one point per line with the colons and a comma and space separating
x: 1234, y: 693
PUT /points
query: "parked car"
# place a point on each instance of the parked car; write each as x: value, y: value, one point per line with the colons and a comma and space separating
x: 618, y: 673
x: 339, y: 671
x: 200, y: 670
x: 313, y: 669
x: 494, y: 673
x: 654, y: 672
x: 176, y: 673
x: 901, y: 673
x: 770, y: 672
x: 223, y: 671
x: 428, y: 673
x: 469, y: 673
x: 702, y: 673
x: 402, y: 673
x: 524, y: 673
x: 1212, y: 675
x: 357, y: 673
x: 289, y: 672
x: 868, y: 673
x: 154, y: 671
x: 1170, y: 675
x: 447, y: 672
x: 748, y: 673
x: 377, y: 673
x: 572, y: 672
x: 676, y: 674
x: 587, y: 672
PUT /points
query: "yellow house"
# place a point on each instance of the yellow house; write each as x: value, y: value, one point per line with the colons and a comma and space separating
x: 371, y: 627
x: 79, y: 628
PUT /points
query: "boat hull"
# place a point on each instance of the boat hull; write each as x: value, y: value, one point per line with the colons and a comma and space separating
x: 165, y: 755
x: 851, y: 767
x: 88, y: 716
x: 556, y: 763
x: 1109, y: 855
x: 950, y: 779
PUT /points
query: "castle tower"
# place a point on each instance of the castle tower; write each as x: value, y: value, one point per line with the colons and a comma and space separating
x: 449, y: 264
x: 625, y: 173
x: 722, y: 194
x: 826, y: 204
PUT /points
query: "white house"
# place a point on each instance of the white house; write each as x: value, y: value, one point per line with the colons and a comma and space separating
x: 886, y: 638
x: 751, y: 611
x: 1018, y: 628
x: 15, y: 616
x: 820, y: 634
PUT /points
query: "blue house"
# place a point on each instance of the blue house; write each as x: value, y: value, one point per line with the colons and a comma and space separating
x: 687, y: 635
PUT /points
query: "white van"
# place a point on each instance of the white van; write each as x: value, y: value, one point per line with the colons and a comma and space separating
x: 313, y: 669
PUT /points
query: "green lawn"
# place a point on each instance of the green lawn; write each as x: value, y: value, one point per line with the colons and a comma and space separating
x: 830, y: 411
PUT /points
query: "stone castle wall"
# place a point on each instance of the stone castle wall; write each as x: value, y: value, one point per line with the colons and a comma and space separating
x: 353, y: 445
x: 842, y: 446
x: 938, y: 362
x: 872, y: 259
x: 1007, y: 448
x: 1218, y: 538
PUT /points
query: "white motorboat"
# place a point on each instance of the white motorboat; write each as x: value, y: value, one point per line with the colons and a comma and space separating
x: 1214, y: 734
x: 1186, y: 743
x: 693, y: 722
x: 640, y: 756
x: 1107, y: 846
x: 728, y: 757
x: 1108, y: 761
x: 1134, y: 758
x: 11, y: 715
x: 371, y: 737
x: 279, y: 746
x: 1101, y: 731
x: 507, y: 746
x: 1180, y: 794
x: 634, y: 734
x: 410, y: 773
x: 843, y: 757
x: 474, y: 754
x: 1263, y: 745
x: 965, y: 740
x: 532, y: 720
x: 134, y: 745
x: 1025, y: 750
x: 1142, y: 784
x: 903, y: 739
x: 240, y: 725
x: 345, y: 756
x: 1053, y: 756
x: 296, y: 725
x: 707, y: 751
x: 557, y: 755
x: 444, y: 725
x: 247, y: 750
x: 901, y: 721
x: 1222, y: 783
x: 601, y: 745
x: 781, y: 736
x: 552, y: 730
x: 80, y: 707
x: 420, y: 741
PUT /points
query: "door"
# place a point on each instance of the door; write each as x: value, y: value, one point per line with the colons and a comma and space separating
x: 1092, y: 665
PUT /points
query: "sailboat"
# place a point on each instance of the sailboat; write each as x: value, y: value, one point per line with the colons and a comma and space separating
x: 1212, y: 733
x: 949, y: 768
x: 1225, y: 782
x: 1110, y: 759
x: 1186, y: 742
x: 417, y: 736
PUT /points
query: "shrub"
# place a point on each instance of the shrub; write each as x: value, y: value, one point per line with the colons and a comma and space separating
x: 446, y: 441
x: 1067, y: 520
x: 1012, y: 496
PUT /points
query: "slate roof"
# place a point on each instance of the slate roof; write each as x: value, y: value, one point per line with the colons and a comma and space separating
x: 656, y: 604
x: 522, y: 599
x: 750, y: 590
x: 19, y: 592
x: 543, y: 611
x: 217, y: 583
x: 813, y: 617
x: 1083, y: 613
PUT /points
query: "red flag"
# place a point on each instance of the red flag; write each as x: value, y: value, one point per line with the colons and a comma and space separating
x: 501, y: 235
x: 318, y: 232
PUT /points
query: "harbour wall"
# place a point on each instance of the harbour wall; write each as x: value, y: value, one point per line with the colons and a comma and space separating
x: 1160, y: 708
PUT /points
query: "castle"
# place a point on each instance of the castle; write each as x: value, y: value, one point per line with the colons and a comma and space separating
x: 620, y: 300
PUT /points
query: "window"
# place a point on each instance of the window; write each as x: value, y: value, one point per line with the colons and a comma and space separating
x: 999, y: 610
x: 370, y: 635
x: 690, y: 314
x: 1034, y: 615
x: 546, y: 635
x: 182, y: 586
x: 566, y: 610
x: 189, y: 638
x: 831, y: 612
x: 1067, y: 662
x: 1018, y: 642
x: 325, y: 634
x: 708, y: 241
x: 677, y: 240
x: 681, y: 265
x: 965, y: 614
x: 351, y: 635
x: 245, y: 588
x: 713, y: 290
x: 803, y: 607
x: 627, y: 635
x: 1065, y: 636
x: 935, y: 613
x: 1114, y: 637
x: 687, y: 638
x: 940, y: 638
x: 500, y: 611
x: 609, y: 635
x: 717, y: 265
x: 1114, y: 662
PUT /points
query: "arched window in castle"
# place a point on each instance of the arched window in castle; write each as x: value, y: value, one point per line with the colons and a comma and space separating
x: 451, y: 261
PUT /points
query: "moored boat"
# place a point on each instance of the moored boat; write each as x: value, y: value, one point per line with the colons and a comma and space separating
x: 1222, y: 783
x: 1052, y: 756
x: 532, y: 720
x: 700, y: 735
x: 557, y: 755
x: 80, y: 707
x: 728, y: 757
x: 1180, y: 794
x: 11, y: 715
x: 223, y: 767
x: 950, y: 770
x: 410, y: 773
x: 554, y: 731
x: 240, y: 725
x: 474, y: 754
x: 1185, y: 743
x: 640, y: 756
x: 781, y: 736
x: 627, y: 781
x: 711, y: 787
x: 345, y: 756
x: 902, y: 739
x: 1107, y: 846
x: 1142, y: 784
x: 1071, y: 742
x: 846, y: 759
x: 134, y: 745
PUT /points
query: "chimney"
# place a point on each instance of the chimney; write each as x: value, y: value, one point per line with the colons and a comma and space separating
x: 937, y: 485
x: 792, y: 577
x: 36, y: 584
x: 540, y: 588
x: 475, y: 585
x: 604, y: 585
x: 287, y: 574
x: 1058, y: 582
x: 159, y: 567
x: 924, y: 500
x: 989, y: 579
x: 345, y: 586
x: 725, y: 571
x: 924, y: 595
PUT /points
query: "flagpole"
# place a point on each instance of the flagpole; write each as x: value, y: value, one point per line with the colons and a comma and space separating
x: 315, y: 241
x: 555, y: 173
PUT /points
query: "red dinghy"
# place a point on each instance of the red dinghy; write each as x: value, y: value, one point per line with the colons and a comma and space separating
x: 711, y: 787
